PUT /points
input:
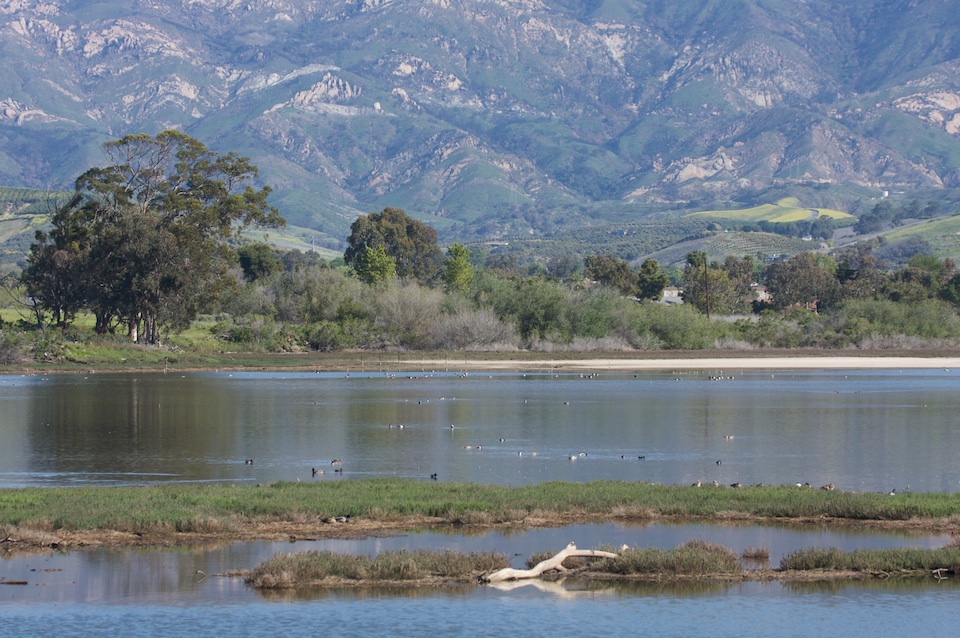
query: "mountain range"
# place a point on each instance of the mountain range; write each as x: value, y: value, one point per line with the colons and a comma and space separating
x: 496, y: 118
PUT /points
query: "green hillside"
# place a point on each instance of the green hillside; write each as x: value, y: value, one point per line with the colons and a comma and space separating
x: 942, y: 234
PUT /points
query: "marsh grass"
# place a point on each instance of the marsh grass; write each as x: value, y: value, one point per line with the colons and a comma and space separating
x: 881, y: 560
x: 225, y: 507
x: 317, y: 568
x: 757, y: 554
x: 694, y: 558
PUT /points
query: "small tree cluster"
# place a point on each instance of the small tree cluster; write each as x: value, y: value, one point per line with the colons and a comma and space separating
x: 142, y: 242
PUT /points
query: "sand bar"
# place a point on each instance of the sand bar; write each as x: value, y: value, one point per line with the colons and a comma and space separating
x: 715, y: 363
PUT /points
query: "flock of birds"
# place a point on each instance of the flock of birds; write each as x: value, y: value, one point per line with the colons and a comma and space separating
x: 337, y: 464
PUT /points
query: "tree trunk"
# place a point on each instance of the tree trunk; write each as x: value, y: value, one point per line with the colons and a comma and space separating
x: 556, y: 562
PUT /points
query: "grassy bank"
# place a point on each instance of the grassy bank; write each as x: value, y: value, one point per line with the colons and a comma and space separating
x: 227, y: 509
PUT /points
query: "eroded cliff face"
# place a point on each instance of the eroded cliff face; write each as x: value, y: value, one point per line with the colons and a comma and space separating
x: 477, y: 110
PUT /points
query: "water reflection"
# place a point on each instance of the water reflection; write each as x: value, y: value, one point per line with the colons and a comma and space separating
x: 101, y: 592
x: 203, y: 573
x: 866, y: 430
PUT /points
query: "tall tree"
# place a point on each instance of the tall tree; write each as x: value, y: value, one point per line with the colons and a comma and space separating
x: 457, y: 269
x: 411, y: 243
x: 651, y: 280
x: 613, y: 272
x: 707, y: 286
x: 375, y: 266
x: 147, y: 233
x: 802, y: 280
x: 740, y: 270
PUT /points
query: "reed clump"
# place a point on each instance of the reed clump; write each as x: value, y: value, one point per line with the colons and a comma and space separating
x: 694, y: 558
x: 758, y: 554
x: 872, y: 560
x: 321, y: 568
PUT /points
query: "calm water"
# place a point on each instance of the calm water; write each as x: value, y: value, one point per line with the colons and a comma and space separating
x: 160, y: 593
x: 875, y: 430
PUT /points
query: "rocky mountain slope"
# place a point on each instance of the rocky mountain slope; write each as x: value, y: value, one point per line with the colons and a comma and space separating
x: 495, y: 117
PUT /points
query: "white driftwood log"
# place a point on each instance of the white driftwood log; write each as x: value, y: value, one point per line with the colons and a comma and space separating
x: 555, y: 562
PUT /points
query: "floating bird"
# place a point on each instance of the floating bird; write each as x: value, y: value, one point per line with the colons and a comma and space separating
x: 434, y: 476
x: 719, y: 461
x: 314, y: 471
x: 249, y: 462
x: 336, y: 462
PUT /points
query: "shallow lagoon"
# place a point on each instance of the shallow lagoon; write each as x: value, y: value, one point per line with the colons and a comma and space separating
x: 159, y: 592
x: 860, y: 430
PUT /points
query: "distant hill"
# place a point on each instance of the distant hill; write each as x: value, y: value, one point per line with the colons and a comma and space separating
x: 494, y: 119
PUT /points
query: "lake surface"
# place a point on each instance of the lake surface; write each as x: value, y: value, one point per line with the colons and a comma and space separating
x: 159, y: 592
x: 860, y: 430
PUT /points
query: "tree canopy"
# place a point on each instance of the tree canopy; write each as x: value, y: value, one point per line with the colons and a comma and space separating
x: 651, y: 280
x: 457, y: 269
x: 612, y: 271
x: 142, y: 241
x: 411, y: 243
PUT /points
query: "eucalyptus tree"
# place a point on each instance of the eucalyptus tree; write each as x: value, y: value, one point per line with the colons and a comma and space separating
x: 803, y: 280
x: 143, y: 240
x: 612, y: 271
x: 706, y: 286
x: 409, y: 242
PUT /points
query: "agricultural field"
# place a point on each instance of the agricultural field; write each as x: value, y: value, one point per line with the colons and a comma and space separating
x: 736, y: 243
x: 783, y: 211
x: 943, y: 235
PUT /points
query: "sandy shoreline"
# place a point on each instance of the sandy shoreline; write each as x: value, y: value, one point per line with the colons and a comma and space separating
x: 712, y: 364
x: 666, y: 361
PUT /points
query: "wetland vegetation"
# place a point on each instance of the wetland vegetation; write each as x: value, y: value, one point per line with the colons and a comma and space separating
x: 695, y: 559
x: 163, y: 514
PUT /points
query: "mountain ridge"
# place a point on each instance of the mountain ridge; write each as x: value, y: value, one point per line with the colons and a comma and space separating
x: 488, y: 119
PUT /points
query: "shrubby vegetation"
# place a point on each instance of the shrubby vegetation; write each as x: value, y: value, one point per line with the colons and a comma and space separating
x: 147, y: 244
